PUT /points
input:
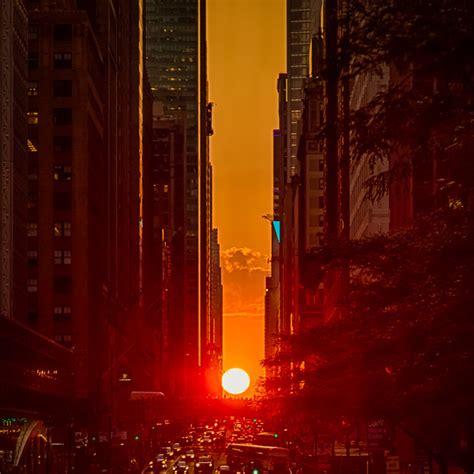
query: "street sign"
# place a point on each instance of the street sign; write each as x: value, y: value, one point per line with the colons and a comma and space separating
x: 377, y: 434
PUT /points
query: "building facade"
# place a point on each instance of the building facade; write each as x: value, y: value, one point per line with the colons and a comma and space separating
x: 13, y: 157
x: 176, y: 63
x: 367, y: 218
x: 85, y: 144
x: 215, y: 346
x: 163, y: 239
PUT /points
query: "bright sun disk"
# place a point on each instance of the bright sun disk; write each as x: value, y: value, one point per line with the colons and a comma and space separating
x: 235, y: 381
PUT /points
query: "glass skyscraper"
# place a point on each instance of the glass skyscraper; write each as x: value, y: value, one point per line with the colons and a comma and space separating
x: 175, y: 61
x: 301, y: 17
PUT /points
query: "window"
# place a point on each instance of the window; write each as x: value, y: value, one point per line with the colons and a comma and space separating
x: 62, y: 201
x: 62, y: 88
x: 321, y: 220
x: 58, y: 229
x: 32, y: 285
x: 321, y: 183
x: 32, y: 88
x: 64, y: 339
x: 33, y: 116
x: 33, y: 31
x: 32, y: 202
x: 321, y: 202
x: 62, y: 116
x: 62, y: 173
x: 62, y: 144
x: 62, y: 257
x: 33, y: 60
x: 62, y: 312
x: 62, y: 32
x: 32, y: 145
x: 62, y: 284
x: 32, y: 229
x: 321, y: 165
x: 32, y: 258
x: 62, y: 60
x: 32, y: 315
x: 32, y: 173
x: 62, y: 229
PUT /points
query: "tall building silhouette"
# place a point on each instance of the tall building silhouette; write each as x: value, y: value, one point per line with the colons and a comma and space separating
x: 13, y: 158
x: 176, y: 64
x: 302, y: 18
x: 163, y: 239
x: 85, y: 143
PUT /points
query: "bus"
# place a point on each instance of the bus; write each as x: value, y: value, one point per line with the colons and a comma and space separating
x: 268, y: 458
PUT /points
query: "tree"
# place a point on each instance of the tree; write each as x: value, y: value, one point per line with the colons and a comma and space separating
x: 403, y: 348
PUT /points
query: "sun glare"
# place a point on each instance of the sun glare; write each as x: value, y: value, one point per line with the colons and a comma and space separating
x: 235, y: 381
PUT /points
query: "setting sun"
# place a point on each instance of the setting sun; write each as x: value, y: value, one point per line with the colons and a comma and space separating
x: 235, y: 381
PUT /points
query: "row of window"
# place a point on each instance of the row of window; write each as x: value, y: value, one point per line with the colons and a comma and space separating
x: 60, y: 229
x: 62, y: 284
x: 62, y: 201
x: 61, y: 32
x: 61, y: 116
x: 61, y: 144
x: 61, y: 60
x: 61, y: 88
x: 64, y: 339
x: 61, y: 257
x: 61, y: 313
x: 60, y: 173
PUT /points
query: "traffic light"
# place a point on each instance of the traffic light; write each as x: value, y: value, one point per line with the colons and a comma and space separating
x: 136, y: 438
x: 275, y: 435
x: 255, y: 471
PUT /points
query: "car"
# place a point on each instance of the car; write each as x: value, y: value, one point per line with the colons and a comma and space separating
x: 160, y: 461
x: 190, y: 455
x: 169, y: 453
x: 223, y: 468
x: 176, y: 447
x: 181, y: 466
x: 204, y: 464
x: 149, y: 469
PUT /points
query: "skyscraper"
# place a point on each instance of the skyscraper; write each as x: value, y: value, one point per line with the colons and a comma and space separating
x: 163, y: 238
x: 214, y: 345
x: 176, y: 63
x: 85, y: 154
x: 13, y: 157
x: 302, y: 23
x: 302, y: 18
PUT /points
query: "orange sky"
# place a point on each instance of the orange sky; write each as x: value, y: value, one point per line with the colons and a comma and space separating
x: 246, y: 48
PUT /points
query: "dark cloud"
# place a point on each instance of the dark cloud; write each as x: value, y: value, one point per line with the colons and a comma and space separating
x: 244, y: 272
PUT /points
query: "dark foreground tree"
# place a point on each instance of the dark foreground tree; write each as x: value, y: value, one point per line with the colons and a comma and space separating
x: 403, y: 349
